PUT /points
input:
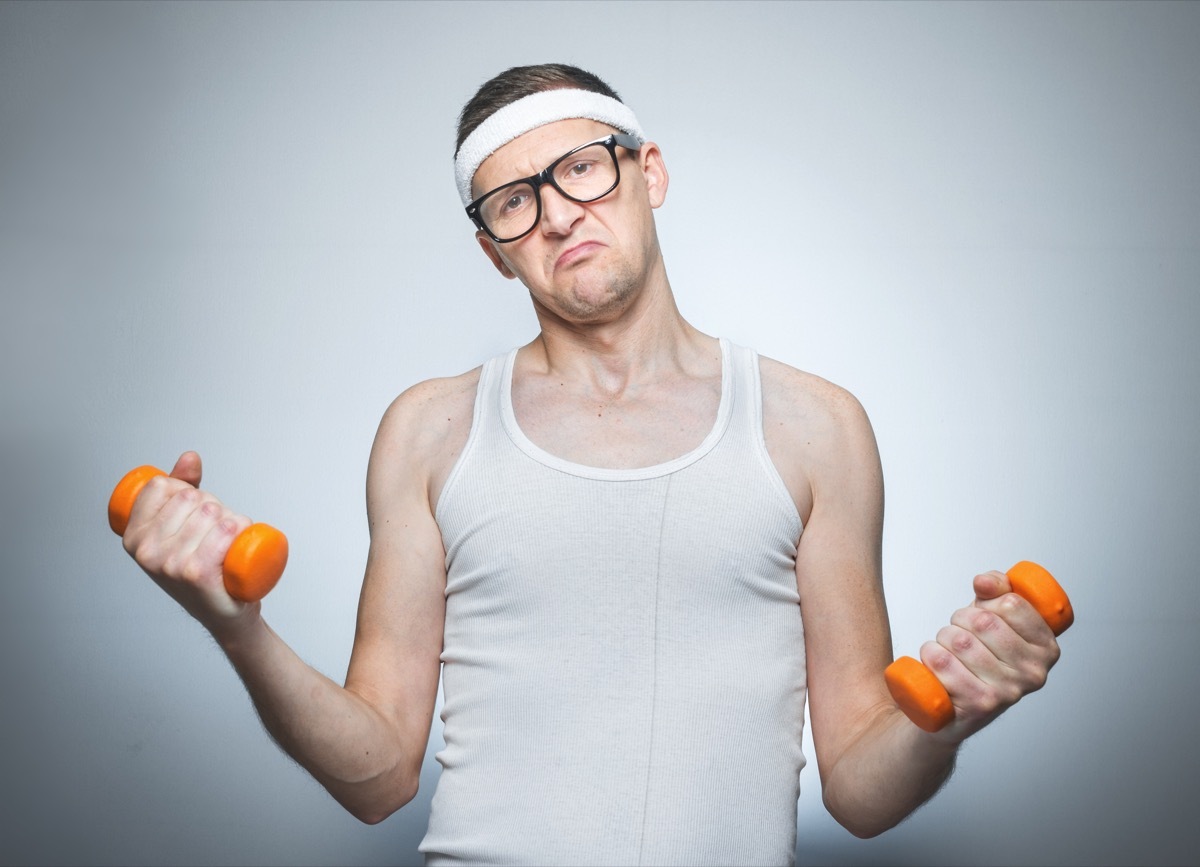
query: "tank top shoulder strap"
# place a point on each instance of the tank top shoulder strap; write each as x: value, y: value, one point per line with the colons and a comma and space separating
x: 747, y: 390
x: 746, y: 425
x: 488, y: 399
x: 485, y: 419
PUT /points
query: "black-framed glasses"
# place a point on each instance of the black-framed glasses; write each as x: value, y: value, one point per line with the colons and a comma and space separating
x: 585, y: 174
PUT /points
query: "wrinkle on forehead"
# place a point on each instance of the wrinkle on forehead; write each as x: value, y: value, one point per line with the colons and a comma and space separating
x: 531, y: 152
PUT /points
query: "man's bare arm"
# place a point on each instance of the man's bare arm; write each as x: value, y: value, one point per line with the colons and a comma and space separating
x: 876, y: 766
x: 363, y: 741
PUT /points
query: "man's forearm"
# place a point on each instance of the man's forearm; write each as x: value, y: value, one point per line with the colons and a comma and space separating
x: 887, y: 773
x: 337, y: 736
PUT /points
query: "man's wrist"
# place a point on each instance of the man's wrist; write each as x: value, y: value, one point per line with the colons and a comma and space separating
x: 239, y: 637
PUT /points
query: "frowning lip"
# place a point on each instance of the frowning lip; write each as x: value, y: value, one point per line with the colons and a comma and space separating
x: 574, y: 253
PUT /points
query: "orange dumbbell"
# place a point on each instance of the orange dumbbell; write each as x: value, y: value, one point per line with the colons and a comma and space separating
x: 254, y: 561
x: 921, y: 695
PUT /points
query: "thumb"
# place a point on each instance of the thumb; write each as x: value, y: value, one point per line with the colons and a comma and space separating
x: 989, y: 585
x: 188, y: 469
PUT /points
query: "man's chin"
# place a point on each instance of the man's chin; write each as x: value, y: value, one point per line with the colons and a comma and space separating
x: 601, y: 302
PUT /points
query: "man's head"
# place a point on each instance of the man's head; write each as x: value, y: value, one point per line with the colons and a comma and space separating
x: 583, y: 240
x: 526, y: 97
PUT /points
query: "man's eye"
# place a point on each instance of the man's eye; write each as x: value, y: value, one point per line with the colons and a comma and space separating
x: 514, y: 202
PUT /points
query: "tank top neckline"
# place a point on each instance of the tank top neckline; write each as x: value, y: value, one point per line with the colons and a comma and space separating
x: 508, y: 418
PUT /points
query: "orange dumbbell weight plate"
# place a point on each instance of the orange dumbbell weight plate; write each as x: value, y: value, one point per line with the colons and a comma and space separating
x: 120, y: 504
x: 1033, y: 583
x: 921, y: 695
x: 254, y: 562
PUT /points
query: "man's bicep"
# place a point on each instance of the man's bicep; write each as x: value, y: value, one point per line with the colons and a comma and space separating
x: 395, y: 664
x: 401, y: 615
x: 838, y: 575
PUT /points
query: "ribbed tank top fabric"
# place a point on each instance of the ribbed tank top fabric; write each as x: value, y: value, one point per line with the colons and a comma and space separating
x: 623, y: 663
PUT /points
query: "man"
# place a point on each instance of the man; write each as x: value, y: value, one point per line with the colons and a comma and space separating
x: 607, y: 536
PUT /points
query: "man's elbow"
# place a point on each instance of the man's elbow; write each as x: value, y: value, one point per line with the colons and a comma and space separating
x: 372, y: 811
x: 865, y: 831
x: 863, y: 824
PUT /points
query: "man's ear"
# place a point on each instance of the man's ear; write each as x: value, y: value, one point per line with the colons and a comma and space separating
x: 489, y: 248
x: 655, y: 172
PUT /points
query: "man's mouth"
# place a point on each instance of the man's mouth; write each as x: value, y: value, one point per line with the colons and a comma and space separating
x: 576, y: 252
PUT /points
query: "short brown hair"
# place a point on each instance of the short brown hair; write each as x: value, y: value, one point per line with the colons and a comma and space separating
x: 519, y: 82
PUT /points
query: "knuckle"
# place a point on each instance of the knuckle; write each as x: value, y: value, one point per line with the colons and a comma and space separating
x: 956, y: 639
x: 1054, y: 653
x: 993, y: 699
x: 145, y: 553
x: 934, y: 655
x: 961, y: 642
x: 191, y: 571
x: 1037, y: 672
x: 988, y: 702
x: 172, y: 566
x: 1011, y: 603
x: 1010, y: 695
x: 983, y: 620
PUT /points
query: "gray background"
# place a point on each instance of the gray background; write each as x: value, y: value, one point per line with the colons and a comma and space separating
x: 234, y: 228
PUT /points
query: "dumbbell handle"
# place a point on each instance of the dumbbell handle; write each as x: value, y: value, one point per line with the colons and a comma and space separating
x: 921, y: 695
x: 253, y: 563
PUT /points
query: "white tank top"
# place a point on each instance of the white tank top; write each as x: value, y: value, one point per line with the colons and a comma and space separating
x: 623, y: 666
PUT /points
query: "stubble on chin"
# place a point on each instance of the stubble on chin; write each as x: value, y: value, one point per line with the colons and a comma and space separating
x: 596, y: 297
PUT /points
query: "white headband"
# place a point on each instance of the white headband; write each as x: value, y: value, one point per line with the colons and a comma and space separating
x: 530, y: 112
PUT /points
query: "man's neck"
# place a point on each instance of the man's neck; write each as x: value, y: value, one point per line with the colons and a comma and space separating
x: 644, y: 342
x: 636, y: 391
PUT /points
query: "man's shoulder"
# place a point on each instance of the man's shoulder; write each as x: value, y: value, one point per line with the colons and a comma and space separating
x: 796, y: 396
x: 424, y: 429
x: 429, y: 410
x: 817, y: 434
x: 431, y: 396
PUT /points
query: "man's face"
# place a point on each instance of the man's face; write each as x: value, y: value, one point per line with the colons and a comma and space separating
x: 582, y: 262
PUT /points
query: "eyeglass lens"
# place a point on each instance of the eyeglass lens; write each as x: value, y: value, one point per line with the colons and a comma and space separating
x: 585, y: 175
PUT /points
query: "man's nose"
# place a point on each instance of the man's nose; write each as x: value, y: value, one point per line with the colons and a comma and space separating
x: 559, y: 214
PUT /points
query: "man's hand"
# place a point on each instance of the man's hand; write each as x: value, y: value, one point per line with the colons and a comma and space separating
x: 992, y: 653
x: 179, y: 535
